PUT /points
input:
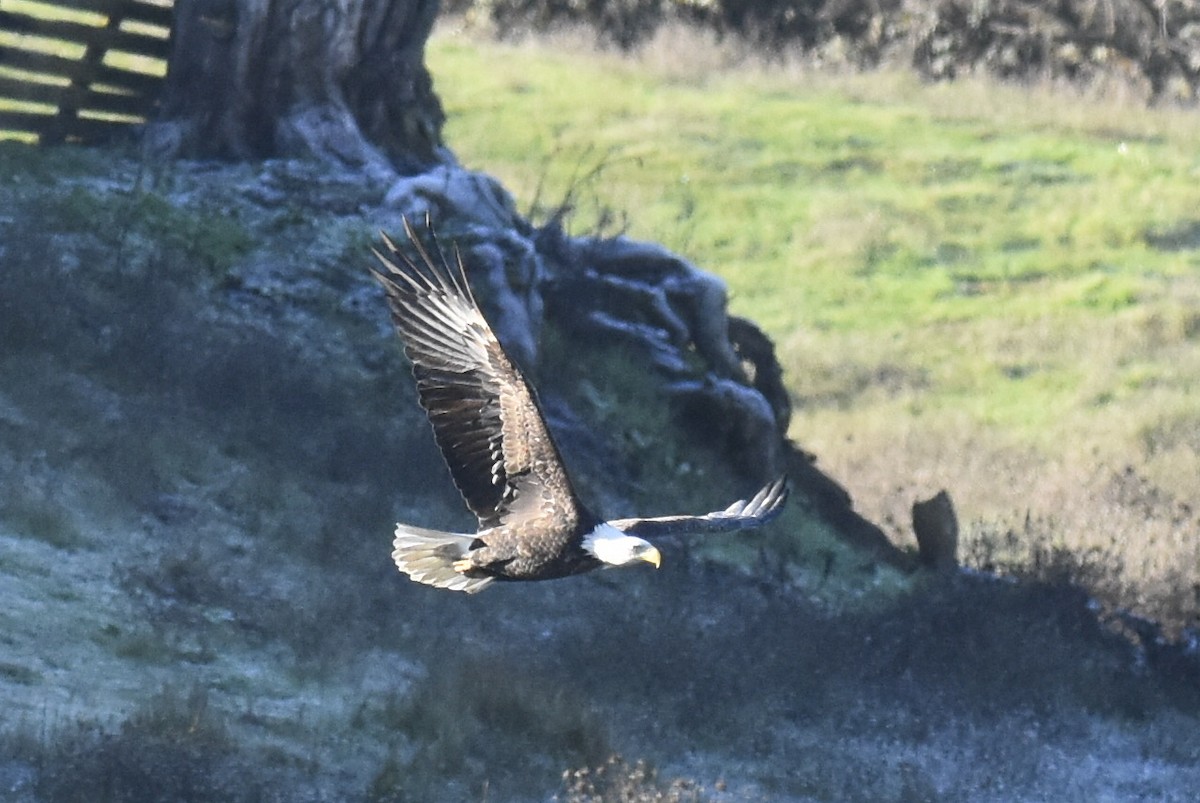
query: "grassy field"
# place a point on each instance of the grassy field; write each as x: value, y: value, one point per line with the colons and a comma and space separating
x: 986, y: 288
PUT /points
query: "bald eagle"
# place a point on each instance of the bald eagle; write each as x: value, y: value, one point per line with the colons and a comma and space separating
x: 493, y: 436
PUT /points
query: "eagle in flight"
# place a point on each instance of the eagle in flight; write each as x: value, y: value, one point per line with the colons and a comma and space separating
x: 493, y: 436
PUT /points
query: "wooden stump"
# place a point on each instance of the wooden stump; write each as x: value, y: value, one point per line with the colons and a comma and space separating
x: 936, y: 528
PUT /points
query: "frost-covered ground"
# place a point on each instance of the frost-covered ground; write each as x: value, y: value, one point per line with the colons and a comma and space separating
x: 206, y: 432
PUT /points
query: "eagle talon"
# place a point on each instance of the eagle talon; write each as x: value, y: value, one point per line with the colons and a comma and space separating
x: 463, y: 565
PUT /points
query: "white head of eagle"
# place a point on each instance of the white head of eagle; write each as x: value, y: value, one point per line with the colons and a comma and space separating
x: 615, y: 548
x: 495, y: 441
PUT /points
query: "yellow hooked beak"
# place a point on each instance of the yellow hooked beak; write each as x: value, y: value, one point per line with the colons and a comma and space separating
x: 651, y: 555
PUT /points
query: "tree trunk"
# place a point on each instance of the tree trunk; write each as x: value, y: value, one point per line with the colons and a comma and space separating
x: 344, y: 80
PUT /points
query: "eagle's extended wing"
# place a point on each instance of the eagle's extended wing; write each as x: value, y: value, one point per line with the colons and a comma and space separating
x: 485, y: 417
x: 758, y: 509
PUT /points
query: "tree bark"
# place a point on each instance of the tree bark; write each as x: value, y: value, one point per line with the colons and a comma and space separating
x: 344, y: 80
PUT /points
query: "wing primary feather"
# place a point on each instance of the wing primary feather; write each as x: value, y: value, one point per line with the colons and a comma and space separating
x: 457, y: 284
x: 754, y: 511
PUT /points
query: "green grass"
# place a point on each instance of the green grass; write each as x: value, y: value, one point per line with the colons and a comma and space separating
x: 983, y: 287
x: 902, y: 216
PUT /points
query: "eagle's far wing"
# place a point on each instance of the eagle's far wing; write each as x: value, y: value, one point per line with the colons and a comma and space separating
x: 758, y: 509
x: 485, y: 417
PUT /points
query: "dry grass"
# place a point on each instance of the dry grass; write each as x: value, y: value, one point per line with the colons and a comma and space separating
x: 1015, y: 501
x: 616, y: 781
x: 1107, y: 473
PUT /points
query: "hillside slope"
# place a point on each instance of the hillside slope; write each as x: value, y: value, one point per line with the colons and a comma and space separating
x: 207, y: 432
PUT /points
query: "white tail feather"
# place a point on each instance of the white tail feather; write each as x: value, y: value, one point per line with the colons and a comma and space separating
x: 427, y: 556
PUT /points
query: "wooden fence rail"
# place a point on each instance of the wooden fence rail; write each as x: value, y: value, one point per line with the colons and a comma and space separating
x: 80, y: 70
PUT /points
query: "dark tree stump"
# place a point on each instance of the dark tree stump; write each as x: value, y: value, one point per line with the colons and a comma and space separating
x: 936, y: 527
x: 344, y: 80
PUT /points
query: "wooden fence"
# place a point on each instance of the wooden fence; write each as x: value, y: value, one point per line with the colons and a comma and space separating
x: 80, y: 70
